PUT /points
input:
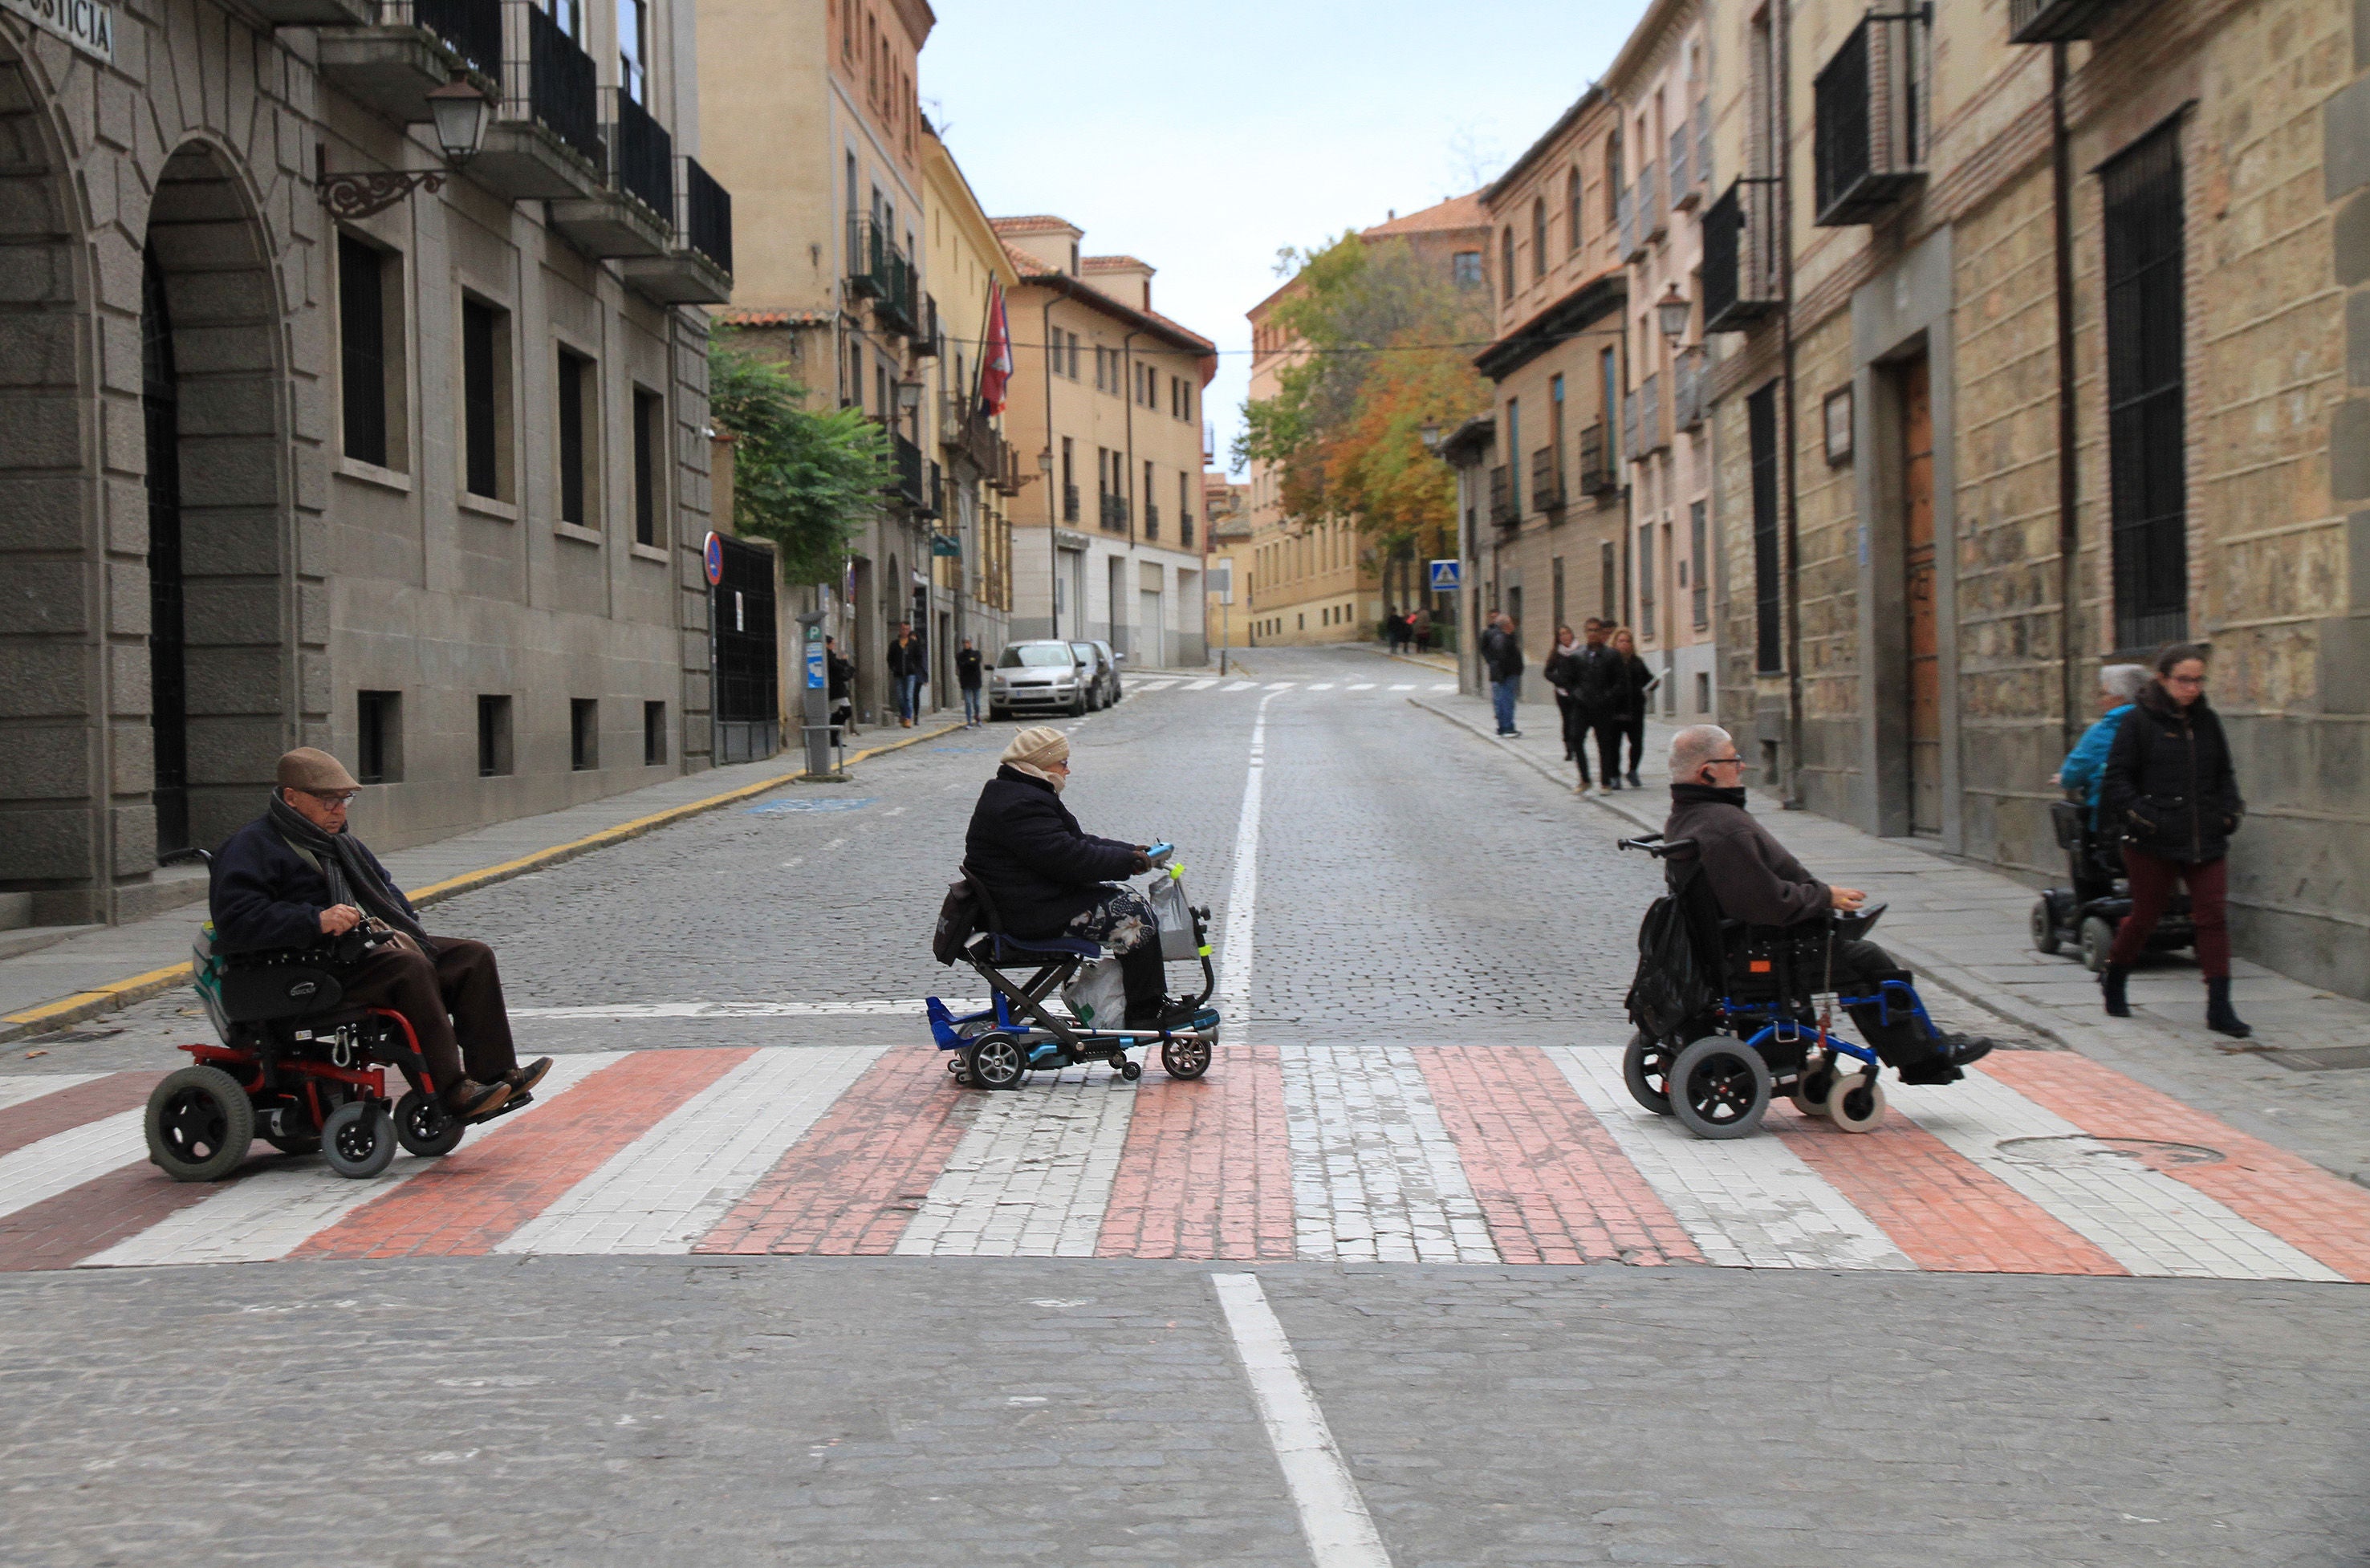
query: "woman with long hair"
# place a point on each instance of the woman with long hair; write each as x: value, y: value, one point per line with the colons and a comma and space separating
x: 1564, y: 674
x: 1637, y: 681
x: 2169, y: 785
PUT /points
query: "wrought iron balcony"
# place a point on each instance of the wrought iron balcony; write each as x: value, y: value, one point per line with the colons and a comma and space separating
x: 879, y: 271
x: 1681, y: 162
x: 930, y: 341
x: 1653, y: 213
x: 697, y: 266
x: 1689, y: 370
x: 1185, y: 527
x: 472, y: 29
x: 964, y: 429
x: 1546, y: 480
x: 2051, y: 21
x: 1151, y: 519
x: 313, y: 13
x: 1069, y: 503
x: 1503, y: 508
x: 1740, y: 264
x: 545, y: 142
x: 935, y: 503
x: 910, y: 484
x: 1652, y: 437
x: 392, y: 55
x: 1630, y: 450
x: 1869, y: 145
x: 633, y: 215
x: 1625, y: 218
x: 1114, y: 512
x: 1596, y: 475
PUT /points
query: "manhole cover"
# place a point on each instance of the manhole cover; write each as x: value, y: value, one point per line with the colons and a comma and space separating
x: 784, y: 807
x: 2330, y: 1058
x: 2079, y: 1148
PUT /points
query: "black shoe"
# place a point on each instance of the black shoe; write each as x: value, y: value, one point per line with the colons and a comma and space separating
x: 1170, y: 1012
x: 1611, y: 781
x: 1633, y: 782
x: 523, y: 1079
x: 1962, y: 1050
x: 470, y: 1101
x: 2218, y: 1015
x: 2112, y: 981
x: 1933, y: 1070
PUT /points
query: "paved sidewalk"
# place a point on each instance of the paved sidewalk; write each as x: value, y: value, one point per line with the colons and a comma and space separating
x: 1966, y: 927
x: 112, y: 967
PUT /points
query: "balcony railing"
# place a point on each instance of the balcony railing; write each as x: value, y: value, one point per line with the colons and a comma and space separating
x: 554, y: 83
x: 1151, y: 519
x: 879, y: 271
x: 1687, y: 375
x: 1629, y: 426
x: 1069, y: 503
x: 911, y: 486
x: 930, y: 342
x: 1185, y: 527
x: 1681, y: 162
x: 1501, y: 498
x: 933, y: 503
x: 641, y: 155
x: 1114, y: 513
x: 1653, y: 215
x: 1869, y: 145
x: 1625, y: 218
x: 1547, y: 479
x: 2050, y: 21
x: 1650, y: 418
x: 472, y: 29
x: 1596, y: 475
x: 1739, y: 265
x: 1703, y: 144
x: 706, y: 224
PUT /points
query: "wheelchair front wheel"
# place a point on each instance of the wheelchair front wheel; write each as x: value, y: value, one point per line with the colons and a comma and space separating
x: 358, y: 1139
x: 425, y: 1127
x: 2045, y: 927
x: 1646, y: 1069
x: 1815, y: 1088
x: 1719, y: 1088
x: 1857, y: 1103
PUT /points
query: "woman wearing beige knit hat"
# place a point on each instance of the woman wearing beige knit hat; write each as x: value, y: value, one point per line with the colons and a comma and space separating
x: 1051, y: 878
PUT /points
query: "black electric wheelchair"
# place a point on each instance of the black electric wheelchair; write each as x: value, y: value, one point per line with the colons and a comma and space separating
x: 2084, y: 915
x: 1717, y: 1065
x: 299, y: 1068
x: 1020, y: 1031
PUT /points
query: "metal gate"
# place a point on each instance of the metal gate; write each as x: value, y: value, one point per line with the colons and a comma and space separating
x: 744, y: 658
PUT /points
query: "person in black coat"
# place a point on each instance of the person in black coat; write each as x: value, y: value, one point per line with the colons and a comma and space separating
x: 967, y: 676
x: 1563, y: 673
x: 1501, y: 657
x: 1047, y: 876
x: 1637, y: 686
x: 1597, y: 688
x: 2170, y: 785
x: 842, y: 678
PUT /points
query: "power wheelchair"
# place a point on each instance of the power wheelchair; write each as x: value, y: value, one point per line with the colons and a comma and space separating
x: 1019, y: 1032
x: 2085, y: 914
x: 1718, y: 1069
x: 297, y: 1067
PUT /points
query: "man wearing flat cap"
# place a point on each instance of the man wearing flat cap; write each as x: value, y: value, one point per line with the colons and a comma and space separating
x: 1051, y: 878
x: 295, y: 877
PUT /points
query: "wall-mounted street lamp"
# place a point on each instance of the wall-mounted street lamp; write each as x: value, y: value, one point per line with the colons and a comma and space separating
x: 1673, y: 311
x: 457, y: 110
x: 1431, y: 433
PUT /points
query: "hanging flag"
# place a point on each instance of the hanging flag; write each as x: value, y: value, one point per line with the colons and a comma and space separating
x: 996, y: 364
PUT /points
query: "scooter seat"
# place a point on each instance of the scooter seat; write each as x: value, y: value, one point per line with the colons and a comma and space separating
x: 1005, y: 949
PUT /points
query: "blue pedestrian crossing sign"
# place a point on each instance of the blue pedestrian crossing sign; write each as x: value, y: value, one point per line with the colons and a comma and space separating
x: 1447, y: 577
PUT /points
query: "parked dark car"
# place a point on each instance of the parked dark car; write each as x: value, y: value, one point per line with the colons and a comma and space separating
x: 1103, y: 682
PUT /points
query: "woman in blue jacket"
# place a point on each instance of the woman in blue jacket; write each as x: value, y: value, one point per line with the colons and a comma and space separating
x: 2086, y: 765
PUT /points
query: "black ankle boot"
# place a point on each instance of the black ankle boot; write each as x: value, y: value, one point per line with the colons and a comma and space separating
x: 2218, y: 1016
x: 2112, y: 981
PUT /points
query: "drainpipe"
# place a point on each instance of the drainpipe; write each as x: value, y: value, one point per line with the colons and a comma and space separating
x: 1787, y: 454
x: 1052, y: 506
x: 2069, y: 527
x: 1127, y: 357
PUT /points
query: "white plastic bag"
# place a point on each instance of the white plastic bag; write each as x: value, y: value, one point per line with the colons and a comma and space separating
x: 1096, y: 996
x: 1175, y: 915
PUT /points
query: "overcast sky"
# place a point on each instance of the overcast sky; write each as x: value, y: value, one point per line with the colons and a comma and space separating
x: 1203, y: 138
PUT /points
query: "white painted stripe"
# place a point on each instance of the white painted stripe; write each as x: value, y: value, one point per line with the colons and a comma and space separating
x: 1033, y: 1175
x: 1447, y: 688
x: 1748, y: 1202
x: 2144, y: 1219
x: 902, y: 1007
x: 1374, y: 1175
x: 64, y: 1161
x: 1322, y: 686
x: 1161, y: 685
x: 1202, y: 685
x: 1363, y: 686
x: 1333, y: 1516
x: 1281, y: 685
x: 670, y: 1186
x: 272, y: 1213
x: 27, y: 1086
x: 1242, y: 897
x: 1403, y: 688
x: 1243, y: 686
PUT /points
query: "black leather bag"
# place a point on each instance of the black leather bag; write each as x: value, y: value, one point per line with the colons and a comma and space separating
x: 958, y: 922
x: 1678, y: 979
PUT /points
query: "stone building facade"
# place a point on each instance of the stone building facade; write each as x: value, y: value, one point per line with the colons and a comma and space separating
x: 423, y: 486
x: 2059, y: 361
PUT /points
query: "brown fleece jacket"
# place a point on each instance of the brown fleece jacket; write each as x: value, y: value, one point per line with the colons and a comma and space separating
x: 1750, y: 873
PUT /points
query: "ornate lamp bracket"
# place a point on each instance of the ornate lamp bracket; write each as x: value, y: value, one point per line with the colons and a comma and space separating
x: 360, y: 195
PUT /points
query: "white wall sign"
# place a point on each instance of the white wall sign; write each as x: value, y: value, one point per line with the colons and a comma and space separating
x: 85, y: 24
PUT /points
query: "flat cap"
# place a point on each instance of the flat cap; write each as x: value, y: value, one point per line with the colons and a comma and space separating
x: 305, y: 768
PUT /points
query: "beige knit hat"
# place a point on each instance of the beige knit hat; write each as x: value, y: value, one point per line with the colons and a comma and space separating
x: 1039, y: 745
x: 307, y: 769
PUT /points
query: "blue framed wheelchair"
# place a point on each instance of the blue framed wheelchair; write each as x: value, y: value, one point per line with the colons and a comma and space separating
x: 1021, y: 1031
x: 1716, y: 1067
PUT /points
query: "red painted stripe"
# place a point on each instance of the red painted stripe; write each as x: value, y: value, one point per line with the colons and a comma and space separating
x: 1945, y: 1212
x: 855, y: 1180
x: 1552, y: 1184
x: 2320, y: 1216
x: 467, y: 1202
x: 83, y: 1221
x: 49, y: 1115
x: 1207, y: 1170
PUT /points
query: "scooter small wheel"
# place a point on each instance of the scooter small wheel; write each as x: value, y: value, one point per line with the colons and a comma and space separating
x: 358, y: 1139
x: 2044, y: 927
x: 1131, y: 1070
x: 1185, y: 1056
x: 2097, y: 939
x: 1857, y: 1103
x: 996, y: 1062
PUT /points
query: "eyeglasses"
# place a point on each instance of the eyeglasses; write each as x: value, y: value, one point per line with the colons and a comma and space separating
x: 1721, y: 762
x: 334, y: 800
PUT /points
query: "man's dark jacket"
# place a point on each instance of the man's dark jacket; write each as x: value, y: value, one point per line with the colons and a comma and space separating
x: 966, y: 669
x: 1750, y: 873
x: 842, y: 672
x: 1598, y: 682
x: 1502, y: 652
x: 1040, y: 867
x: 2169, y: 781
x: 266, y: 894
x: 909, y: 659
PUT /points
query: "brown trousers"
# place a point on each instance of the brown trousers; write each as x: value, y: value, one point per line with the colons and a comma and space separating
x: 460, y: 980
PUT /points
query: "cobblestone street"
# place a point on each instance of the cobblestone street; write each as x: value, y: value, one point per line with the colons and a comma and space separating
x: 753, y: 1281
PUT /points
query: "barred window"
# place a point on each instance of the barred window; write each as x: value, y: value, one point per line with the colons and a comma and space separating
x: 2145, y: 425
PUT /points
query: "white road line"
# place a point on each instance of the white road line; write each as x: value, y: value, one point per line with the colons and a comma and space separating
x: 1402, y: 688
x: 64, y: 1161
x: 2144, y: 1219
x: 1749, y: 1202
x: 1033, y: 1176
x: 1363, y: 686
x: 1375, y: 1177
x: 1448, y: 688
x: 1243, y: 686
x: 1333, y: 1516
x: 272, y: 1213
x: 1242, y: 899
x: 670, y: 1186
x: 1281, y: 685
x: 900, y: 1007
x: 1202, y: 685
x: 1322, y: 686
x: 1161, y: 685
x: 27, y: 1086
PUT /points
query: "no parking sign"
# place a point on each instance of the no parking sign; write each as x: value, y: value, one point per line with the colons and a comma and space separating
x: 713, y: 554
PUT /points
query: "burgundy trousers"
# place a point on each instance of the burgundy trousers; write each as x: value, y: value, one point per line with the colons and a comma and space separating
x: 2152, y: 878
x: 454, y: 1003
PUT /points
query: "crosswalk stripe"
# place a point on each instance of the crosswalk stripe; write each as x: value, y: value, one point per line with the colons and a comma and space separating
x: 64, y: 1161
x: 1243, y: 686
x: 669, y: 1187
x: 1374, y: 1174
x: 1751, y: 1201
x: 1032, y: 1176
x: 17, y: 1091
x: 76, y: 1101
x: 1202, y: 685
x: 1449, y: 687
x: 1363, y: 686
x: 1207, y: 1173
x: 1160, y: 685
x: 1281, y: 685
x: 1403, y: 688
x: 270, y: 1213
x: 2144, y: 1221
x: 1322, y: 686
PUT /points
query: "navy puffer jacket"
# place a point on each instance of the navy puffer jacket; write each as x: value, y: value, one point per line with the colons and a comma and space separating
x: 1040, y: 867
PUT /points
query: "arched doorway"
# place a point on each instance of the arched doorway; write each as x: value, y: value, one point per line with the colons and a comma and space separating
x: 168, y: 684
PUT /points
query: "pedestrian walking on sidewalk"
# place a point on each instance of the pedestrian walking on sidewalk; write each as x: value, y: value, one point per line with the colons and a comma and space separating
x: 1596, y: 690
x: 1501, y: 654
x: 908, y: 667
x: 2169, y: 786
x: 1637, y: 684
x: 967, y: 677
x: 1421, y: 625
x: 1560, y: 673
x: 841, y: 682
x: 2085, y: 767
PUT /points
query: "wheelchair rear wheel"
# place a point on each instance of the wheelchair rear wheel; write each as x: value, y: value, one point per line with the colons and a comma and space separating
x: 200, y: 1125
x: 1646, y: 1068
x: 1186, y: 1057
x: 996, y: 1061
x: 1719, y: 1088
